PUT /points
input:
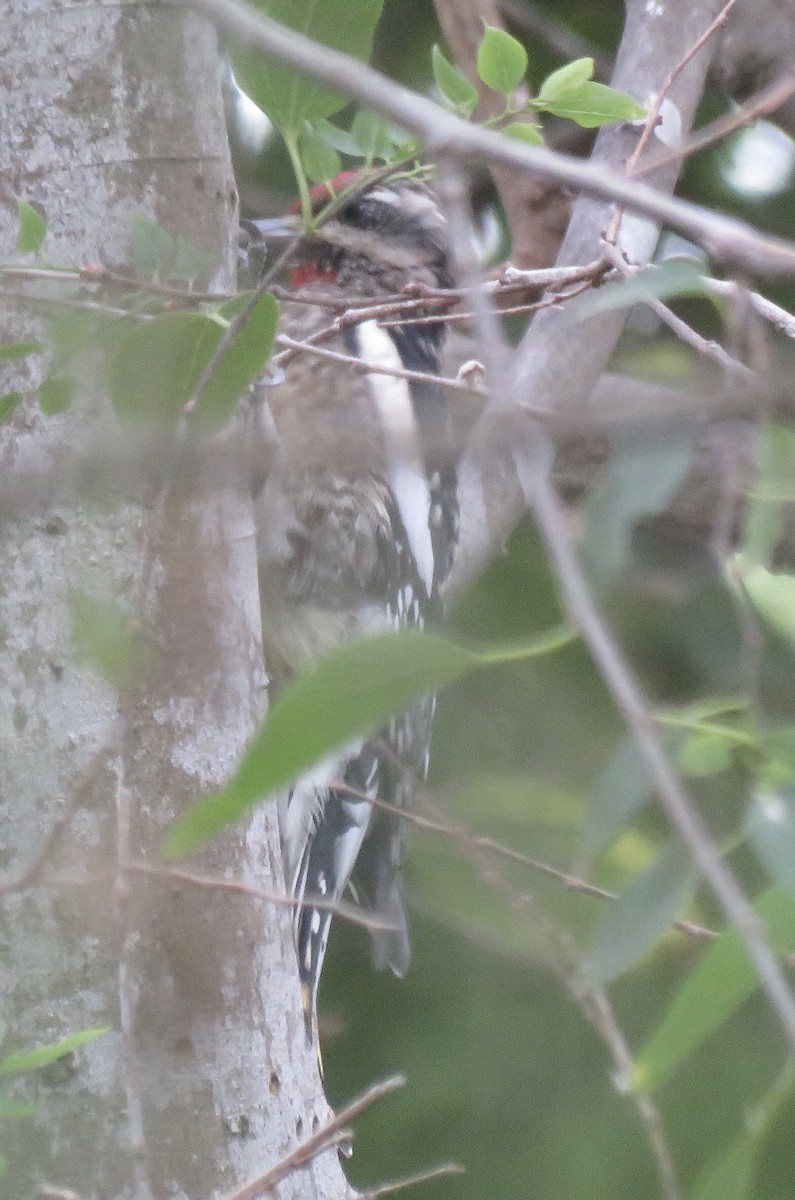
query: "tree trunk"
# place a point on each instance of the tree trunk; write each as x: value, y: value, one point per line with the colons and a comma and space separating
x: 204, y: 1080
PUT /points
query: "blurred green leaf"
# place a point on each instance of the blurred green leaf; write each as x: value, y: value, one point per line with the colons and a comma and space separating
x: 573, y: 75
x: 730, y: 1175
x: 623, y: 787
x: 14, y: 1109
x: 524, y: 131
x: 502, y: 60
x: 724, y: 979
x: 56, y: 395
x: 157, y: 253
x: 8, y: 404
x: 453, y: 83
x: 640, y: 478
x: 349, y: 693
x: 704, y: 754
x: 372, y: 134
x: 770, y: 825
x: 592, y: 104
x: 289, y: 98
x: 774, y: 487
x: 321, y: 161
x: 107, y: 638
x: 18, y: 349
x: 644, y: 911
x: 32, y: 229
x: 771, y: 594
x: 152, y: 248
x: 674, y: 277
x: 241, y: 363
x: 156, y: 366
x: 340, y: 139
x: 30, y: 1060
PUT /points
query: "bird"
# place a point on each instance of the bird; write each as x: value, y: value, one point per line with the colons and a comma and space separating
x: 357, y: 521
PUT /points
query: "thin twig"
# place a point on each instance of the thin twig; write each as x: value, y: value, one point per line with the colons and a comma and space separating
x: 398, y: 1185
x: 653, y: 118
x: 235, y: 327
x: 357, y: 915
x: 764, y: 102
x: 617, y: 674
x: 731, y: 290
x: 357, y: 364
x: 725, y: 238
x: 333, y: 1132
x: 706, y: 348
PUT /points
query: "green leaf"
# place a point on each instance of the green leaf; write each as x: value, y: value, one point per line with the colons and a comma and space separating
x: 56, y: 394
x: 372, y: 134
x: 725, y: 978
x: 704, y: 754
x: 524, y: 131
x: 13, y: 1109
x: 565, y: 79
x: 644, y: 911
x: 642, y: 475
x: 30, y: 1060
x: 107, y: 638
x: 156, y: 252
x: 623, y: 787
x: 8, y: 404
x: 241, y: 363
x: 32, y: 228
x: 321, y: 161
x: 592, y: 104
x: 349, y: 693
x: 453, y: 83
x: 772, y: 595
x: 153, y: 249
x: 340, y: 139
x: 289, y: 98
x: 156, y: 366
x: 18, y: 349
x: 770, y: 825
x: 730, y: 1175
x: 674, y: 277
x: 775, y: 473
x: 502, y: 61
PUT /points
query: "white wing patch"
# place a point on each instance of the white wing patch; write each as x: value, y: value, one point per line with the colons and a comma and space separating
x: 405, y: 466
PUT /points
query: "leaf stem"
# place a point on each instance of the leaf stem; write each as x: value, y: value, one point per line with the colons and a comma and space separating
x: 291, y: 142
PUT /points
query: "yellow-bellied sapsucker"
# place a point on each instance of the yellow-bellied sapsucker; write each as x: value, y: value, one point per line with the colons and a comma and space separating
x: 356, y: 523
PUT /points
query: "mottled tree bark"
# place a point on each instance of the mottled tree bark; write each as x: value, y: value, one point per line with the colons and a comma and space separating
x: 204, y: 1080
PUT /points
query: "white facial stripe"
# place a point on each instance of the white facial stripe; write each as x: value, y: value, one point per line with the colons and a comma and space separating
x: 405, y: 466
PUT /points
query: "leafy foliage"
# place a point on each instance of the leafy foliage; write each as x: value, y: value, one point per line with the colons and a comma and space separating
x: 291, y: 99
x: 347, y: 694
x: 32, y: 228
x: 18, y: 1062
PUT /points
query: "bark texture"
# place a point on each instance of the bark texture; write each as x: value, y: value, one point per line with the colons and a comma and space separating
x: 204, y: 1080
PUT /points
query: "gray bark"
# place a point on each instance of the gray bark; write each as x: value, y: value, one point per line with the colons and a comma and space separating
x: 205, y: 1079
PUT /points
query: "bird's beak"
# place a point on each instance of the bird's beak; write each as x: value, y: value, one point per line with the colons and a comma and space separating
x: 271, y: 229
x: 255, y: 238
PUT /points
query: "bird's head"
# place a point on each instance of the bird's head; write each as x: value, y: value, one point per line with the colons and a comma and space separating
x: 377, y: 239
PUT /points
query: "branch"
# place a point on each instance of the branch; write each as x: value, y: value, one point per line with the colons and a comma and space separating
x: 331, y: 1134
x: 727, y: 240
x: 491, y: 499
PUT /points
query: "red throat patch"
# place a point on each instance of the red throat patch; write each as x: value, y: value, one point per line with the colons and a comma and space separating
x: 304, y: 273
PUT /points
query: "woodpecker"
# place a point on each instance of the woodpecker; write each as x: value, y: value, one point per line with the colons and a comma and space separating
x: 356, y: 524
